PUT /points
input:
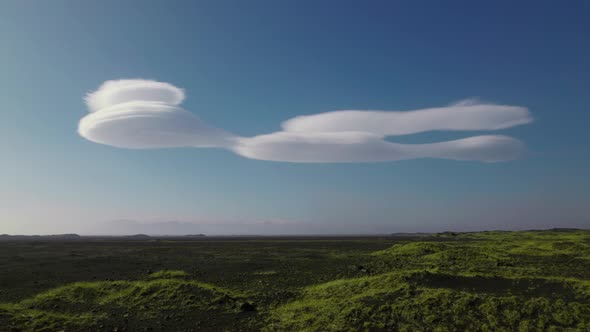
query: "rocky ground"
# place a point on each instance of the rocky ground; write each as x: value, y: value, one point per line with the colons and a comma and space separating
x: 495, y: 281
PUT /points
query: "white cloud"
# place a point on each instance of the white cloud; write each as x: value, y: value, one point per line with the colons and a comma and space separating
x: 461, y: 116
x: 141, y: 125
x: 120, y: 91
x: 144, y: 114
x: 365, y: 147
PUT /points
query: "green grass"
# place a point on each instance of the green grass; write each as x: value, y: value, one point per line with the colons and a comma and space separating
x: 486, y: 281
x: 437, y: 302
x: 166, y: 295
x: 492, y: 281
x: 168, y: 274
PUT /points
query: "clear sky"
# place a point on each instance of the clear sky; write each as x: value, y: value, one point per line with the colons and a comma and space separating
x: 247, y: 66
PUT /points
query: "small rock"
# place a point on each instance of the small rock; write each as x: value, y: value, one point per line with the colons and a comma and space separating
x: 361, y: 268
x: 247, y: 306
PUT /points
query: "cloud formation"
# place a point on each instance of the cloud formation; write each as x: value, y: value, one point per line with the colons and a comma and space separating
x: 466, y: 115
x: 145, y: 114
x: 366, y: 147
x: 140, y: 114
x: 121, y: 91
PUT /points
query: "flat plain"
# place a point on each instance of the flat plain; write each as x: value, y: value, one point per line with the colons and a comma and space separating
x: 485, y: 281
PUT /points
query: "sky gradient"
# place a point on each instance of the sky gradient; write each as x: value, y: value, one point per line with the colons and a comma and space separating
x: 249, y: 66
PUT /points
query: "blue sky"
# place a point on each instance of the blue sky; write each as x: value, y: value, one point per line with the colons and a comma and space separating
x: 248, y: 66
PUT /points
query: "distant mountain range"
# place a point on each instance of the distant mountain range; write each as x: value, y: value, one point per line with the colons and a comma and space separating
x: 7, y: 237
x: 41, y: 237
x: 74, y: 237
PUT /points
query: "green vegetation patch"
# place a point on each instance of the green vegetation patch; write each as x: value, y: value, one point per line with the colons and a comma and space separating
x: 160, y: 301
x: 528, y: 254
x: 490, y: 281
x: 168, y: 274
x: 422, y: 301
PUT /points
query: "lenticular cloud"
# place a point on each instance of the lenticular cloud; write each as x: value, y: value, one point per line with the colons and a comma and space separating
x: 117, y: 92
x: 145, y: 114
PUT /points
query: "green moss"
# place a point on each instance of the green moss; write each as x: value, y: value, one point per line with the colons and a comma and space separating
x: 489, y: 281
x: 408, y: 302
x: 28, y: 319
x: 87, y: 305
x: 167, y: 274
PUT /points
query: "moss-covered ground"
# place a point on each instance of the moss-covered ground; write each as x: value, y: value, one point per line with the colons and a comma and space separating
x: 486, y: 281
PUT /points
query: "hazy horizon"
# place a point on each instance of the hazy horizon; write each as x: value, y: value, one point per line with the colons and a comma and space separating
x: 173, y: 228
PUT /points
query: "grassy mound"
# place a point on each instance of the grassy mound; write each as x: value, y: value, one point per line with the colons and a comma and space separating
x: 527, y: 254
x: 166, y: 301
x: 420, y: 301
x: 490, y: 281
